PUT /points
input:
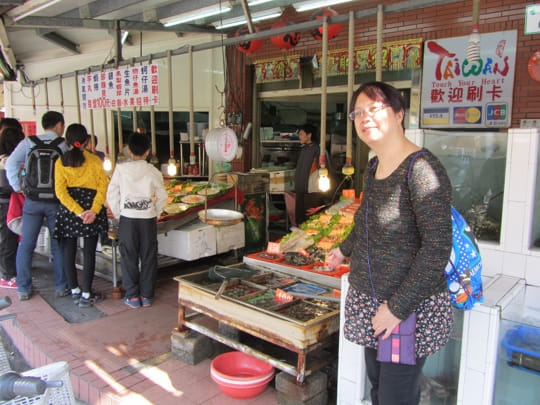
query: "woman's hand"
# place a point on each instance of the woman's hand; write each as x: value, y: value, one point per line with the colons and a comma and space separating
x: 384, y: 321
x: 334, y: 258
x: 88, y: 217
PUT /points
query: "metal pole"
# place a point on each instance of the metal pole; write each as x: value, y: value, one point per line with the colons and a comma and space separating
x: 77, y: 99
x: 46, y: 86
x: 323, y: 88
x: 350, y: 84
x: 171, y: 125
x: 378, y: 60
x: 61, y: 86
x: 191, y: 111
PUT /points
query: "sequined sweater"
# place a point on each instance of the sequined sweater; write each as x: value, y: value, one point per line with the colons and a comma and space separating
x: 410, y: 234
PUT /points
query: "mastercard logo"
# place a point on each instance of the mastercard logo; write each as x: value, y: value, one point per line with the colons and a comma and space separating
x: 470, y: 115
x: 473, y: 115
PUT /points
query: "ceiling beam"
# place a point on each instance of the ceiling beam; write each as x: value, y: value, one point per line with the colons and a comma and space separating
x: 58, y: 39
x: 6, y: 46
x: 92, y: 23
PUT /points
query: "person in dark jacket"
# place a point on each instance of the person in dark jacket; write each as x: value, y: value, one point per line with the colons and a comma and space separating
x: 306, y: 165
x: 9, y: 139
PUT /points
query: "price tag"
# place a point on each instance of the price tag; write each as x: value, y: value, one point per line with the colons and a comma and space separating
x: 273, y: 247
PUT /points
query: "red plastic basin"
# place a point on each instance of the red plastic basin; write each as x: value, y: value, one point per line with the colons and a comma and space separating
x: 240, y: 375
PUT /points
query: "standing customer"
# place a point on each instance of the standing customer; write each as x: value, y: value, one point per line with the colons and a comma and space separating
x: 81, y: 186
x: 36, y: 210
x: 136, y: 195
x: 399, y: 246
x: 9, y: 139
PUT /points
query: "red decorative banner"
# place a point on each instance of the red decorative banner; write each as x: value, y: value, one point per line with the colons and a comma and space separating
x: 276, y: 69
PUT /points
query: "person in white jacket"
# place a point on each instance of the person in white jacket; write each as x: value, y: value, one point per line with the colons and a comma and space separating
x: 136, y: 196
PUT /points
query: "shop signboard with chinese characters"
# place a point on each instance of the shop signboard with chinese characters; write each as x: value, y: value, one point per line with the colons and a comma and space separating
x: 459, y: 94
x: 134, y: 86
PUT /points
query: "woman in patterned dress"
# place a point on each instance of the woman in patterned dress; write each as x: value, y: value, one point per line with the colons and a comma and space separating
x: 398, y: 248
x: 81, y: 186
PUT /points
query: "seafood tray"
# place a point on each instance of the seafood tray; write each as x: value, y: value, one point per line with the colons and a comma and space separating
x: 303, y: 311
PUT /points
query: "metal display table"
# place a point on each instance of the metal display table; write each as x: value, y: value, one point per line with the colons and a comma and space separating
x: 200, y: 299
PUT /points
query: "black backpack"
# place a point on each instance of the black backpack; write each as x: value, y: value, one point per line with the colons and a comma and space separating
x: 38, y: 183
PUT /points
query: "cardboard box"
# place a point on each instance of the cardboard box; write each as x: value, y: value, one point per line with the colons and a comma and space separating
x: 230, y: 237
x: 281, y: 181
x: 191, y: 242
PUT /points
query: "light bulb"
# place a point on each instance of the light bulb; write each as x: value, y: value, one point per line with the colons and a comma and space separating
x: 154, y: 160
x: 324, y: 181
x: 347, y: 169
x: 171, y: 168
x: 473, y: 45
x: 107, y: 164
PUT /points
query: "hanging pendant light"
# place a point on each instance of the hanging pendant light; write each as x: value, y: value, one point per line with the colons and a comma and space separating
x: 473, y: 44
x: 171, y: 168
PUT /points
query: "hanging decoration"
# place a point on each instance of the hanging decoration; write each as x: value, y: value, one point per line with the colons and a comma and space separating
x: 285, y: 41
x: 249, y: 46
x: 333, y: 30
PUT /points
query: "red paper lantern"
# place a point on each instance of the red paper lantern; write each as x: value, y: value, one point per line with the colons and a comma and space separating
x: 285, y: 41
x: 248, y: 46
x: 333, y: 30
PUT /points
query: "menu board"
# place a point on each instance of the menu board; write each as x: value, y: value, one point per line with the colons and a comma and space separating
x: 135, y: 86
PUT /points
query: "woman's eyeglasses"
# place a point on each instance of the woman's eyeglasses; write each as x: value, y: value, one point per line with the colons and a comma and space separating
x: 371, y: 110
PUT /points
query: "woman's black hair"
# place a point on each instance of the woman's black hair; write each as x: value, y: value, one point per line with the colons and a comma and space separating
x: 380, y: 91
x: 9, y: 139
x: 76, y: 137
x: 8, y: 122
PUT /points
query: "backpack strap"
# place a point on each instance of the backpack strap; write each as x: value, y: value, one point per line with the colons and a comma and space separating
x: 36, y: 140
x: 422, y: 152
x: 55, y: 142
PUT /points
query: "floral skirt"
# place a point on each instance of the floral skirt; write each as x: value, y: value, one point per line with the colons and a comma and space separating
x: 69, y: 225
x: 434, y: 321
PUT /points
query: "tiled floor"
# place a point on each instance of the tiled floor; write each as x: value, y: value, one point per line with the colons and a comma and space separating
x: 122, y: 358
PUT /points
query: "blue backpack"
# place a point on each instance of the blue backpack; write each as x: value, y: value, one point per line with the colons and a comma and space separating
x: 464, y: 269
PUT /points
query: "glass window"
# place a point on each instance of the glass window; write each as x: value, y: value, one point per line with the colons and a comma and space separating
x: 535, y: 242
x: 180, y: 124
x: 475, y: 162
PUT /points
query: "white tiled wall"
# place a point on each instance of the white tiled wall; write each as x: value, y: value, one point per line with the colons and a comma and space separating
x: 513, y: 255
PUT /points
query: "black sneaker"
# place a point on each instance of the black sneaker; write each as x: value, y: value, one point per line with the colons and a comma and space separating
x: 94, y: 298
x: 62, y: 293
x: 24, y: 295
x: 76, y: 298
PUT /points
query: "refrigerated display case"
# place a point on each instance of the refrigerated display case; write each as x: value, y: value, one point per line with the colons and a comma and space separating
x: 475, y: 162
x: 518, y: 359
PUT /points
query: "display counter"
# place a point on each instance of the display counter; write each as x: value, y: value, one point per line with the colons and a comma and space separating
x: 268, y: 305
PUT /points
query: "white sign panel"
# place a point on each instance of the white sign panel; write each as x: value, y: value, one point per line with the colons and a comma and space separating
x: 532, y: 19
x: 135, y: 86
x: 456, y: 93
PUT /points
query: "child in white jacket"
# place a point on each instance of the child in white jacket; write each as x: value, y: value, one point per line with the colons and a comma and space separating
x: 136, y: 195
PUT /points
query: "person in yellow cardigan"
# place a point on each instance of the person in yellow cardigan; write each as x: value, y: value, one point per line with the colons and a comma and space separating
x: 81, y: 186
